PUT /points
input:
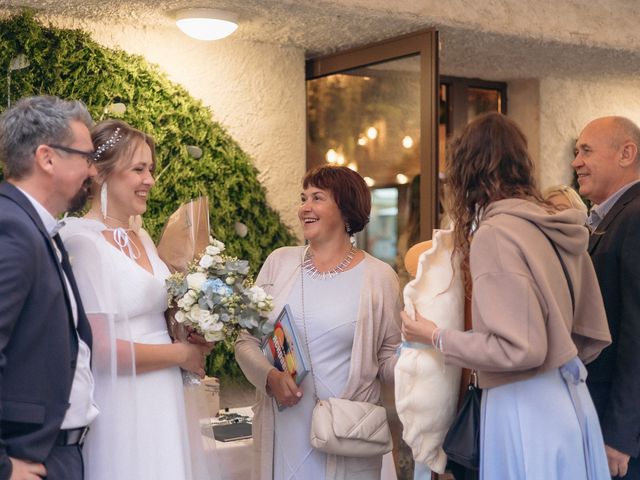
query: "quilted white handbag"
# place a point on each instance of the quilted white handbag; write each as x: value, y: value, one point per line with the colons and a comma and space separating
x: 346, y: 427
x: 349, y: 428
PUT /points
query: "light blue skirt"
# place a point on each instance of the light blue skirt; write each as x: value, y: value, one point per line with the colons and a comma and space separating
x: 545, y: 427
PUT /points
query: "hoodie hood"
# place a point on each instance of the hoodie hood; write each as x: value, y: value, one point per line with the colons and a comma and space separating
x: 566, y: 228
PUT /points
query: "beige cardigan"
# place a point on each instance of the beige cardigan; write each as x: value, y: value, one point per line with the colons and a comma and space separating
x: 373, y: 356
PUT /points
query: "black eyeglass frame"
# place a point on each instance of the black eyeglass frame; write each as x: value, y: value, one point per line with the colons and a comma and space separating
x: 90, y: 157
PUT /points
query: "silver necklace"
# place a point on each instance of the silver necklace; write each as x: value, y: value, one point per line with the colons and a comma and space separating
x: 311, y: 270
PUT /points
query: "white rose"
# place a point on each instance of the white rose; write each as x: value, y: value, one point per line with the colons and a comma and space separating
x: 215, y: 247
x: 205, y: 317
x: 195, y: 280
x: 187, y: 300
x: 206, y: 261
x: 190, y: 298
x: 214, y: 336
x: 217, y: 327
x: 230, y: 280
x: 180, y: 317
x: 212, y: 329
x: 195, y: 313
x: 257, y: 294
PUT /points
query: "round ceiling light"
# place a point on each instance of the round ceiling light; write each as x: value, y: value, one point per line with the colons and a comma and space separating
x: 206, y: 23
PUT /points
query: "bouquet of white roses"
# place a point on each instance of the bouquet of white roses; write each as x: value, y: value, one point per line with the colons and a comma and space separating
x: 216, y: 297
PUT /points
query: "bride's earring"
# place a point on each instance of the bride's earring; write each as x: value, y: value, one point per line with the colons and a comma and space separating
x: 103, y: 200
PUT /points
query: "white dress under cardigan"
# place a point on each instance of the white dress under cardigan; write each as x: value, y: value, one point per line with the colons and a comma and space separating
x: 330, y: 313
x: 373, y: 354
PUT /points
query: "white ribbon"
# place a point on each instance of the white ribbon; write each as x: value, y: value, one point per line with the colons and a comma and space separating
x: 121, y: 238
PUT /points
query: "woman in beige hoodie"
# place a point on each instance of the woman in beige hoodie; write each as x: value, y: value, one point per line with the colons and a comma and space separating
x: 532, y: 328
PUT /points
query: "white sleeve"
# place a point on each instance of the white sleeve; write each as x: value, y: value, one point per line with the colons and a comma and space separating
x: 112, y: 355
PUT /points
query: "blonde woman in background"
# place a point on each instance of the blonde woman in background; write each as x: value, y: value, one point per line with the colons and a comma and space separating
x: 563, y: 197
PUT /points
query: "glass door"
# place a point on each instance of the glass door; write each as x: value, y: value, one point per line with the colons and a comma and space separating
x: 374, y: 109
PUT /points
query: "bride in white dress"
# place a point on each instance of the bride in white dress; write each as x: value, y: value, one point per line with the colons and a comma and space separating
x: 142, y: 431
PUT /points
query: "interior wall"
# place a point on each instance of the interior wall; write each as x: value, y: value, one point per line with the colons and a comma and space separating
x: 567, y: 104
x: 255, y: 90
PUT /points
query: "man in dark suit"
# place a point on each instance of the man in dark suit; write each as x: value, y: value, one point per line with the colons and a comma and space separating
x: 46, y: 387
x: 607, y: 162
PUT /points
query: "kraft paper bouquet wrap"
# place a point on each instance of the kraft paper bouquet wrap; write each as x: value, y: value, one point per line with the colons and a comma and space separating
x: 185, y: 236
x: 209, y: 292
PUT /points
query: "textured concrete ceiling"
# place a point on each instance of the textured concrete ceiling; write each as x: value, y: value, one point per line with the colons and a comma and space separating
x: 493, y: 39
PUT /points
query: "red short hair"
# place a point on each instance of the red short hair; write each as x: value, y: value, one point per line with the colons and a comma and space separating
x: 349, y: 191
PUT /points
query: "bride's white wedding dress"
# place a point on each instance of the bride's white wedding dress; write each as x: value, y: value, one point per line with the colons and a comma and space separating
x: 141, y: 432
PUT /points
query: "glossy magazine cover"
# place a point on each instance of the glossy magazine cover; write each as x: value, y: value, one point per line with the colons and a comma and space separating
x: 285, y: 349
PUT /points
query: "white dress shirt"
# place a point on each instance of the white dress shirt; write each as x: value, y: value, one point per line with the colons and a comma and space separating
x: 82, y: 410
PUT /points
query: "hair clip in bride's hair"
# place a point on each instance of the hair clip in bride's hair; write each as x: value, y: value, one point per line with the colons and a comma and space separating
x: 115, y: 137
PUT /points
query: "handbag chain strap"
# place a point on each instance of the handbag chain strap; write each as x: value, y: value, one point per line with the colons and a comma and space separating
x: 304, y: 324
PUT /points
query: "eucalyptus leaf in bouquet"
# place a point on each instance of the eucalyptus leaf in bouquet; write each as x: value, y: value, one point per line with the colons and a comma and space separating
x: 217, y: 298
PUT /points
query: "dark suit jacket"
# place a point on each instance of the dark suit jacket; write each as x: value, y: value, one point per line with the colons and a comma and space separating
x: 614, y: 377
x: 38, y: 343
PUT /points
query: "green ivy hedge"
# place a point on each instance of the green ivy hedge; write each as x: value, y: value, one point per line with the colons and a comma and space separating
x: 69, y: 64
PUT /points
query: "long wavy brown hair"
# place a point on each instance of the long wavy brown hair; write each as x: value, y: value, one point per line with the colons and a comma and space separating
x: 489, y: 161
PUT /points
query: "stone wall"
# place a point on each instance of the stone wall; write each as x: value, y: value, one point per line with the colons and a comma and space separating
x: 567, y: 104
x: 523, y: 97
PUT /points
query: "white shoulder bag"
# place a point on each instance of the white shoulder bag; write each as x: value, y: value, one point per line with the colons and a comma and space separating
x: 346, y: 427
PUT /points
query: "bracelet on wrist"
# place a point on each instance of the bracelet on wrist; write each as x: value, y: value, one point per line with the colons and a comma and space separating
x: 434, y: 336
x: 440, y: 346
x: 436, y: 339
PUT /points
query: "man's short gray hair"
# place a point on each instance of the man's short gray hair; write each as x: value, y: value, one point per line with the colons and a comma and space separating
x: 35, y: 121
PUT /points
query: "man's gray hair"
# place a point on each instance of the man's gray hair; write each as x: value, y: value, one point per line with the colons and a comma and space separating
x: 34, y: 121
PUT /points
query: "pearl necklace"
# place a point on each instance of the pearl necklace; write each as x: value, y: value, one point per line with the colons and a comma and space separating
x: 311, y: 270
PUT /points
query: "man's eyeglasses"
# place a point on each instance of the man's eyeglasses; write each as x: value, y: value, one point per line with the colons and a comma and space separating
x: 90, y: 157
